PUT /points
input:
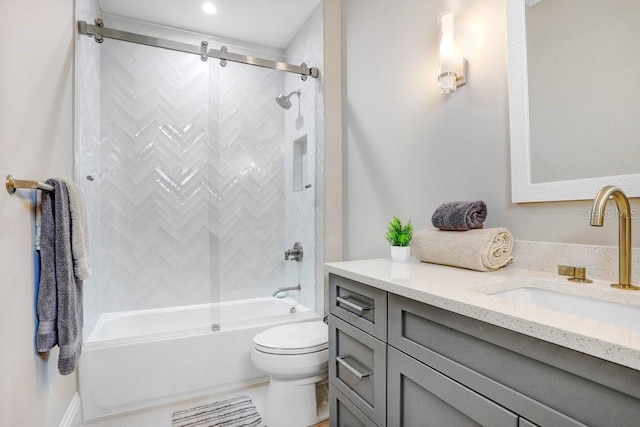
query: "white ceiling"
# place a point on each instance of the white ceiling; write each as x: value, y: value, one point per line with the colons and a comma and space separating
x: 266, y: 22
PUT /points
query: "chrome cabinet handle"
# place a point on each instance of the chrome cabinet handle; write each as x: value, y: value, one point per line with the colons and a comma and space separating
x: 353, y: 305
x: 341, y: 360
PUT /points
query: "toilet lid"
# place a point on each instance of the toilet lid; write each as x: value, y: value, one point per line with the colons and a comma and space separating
x: 293, y: 338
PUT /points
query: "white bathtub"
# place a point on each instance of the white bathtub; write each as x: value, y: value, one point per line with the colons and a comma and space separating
x: 137, y: 359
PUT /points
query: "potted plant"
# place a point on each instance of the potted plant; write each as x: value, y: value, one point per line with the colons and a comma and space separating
x: 399, y: 237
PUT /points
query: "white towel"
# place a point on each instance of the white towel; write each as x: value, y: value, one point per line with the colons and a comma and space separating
x: 79, y: 231
x: 481, y: 249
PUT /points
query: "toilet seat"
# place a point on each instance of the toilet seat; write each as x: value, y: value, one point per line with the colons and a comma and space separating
x: 293, y: 338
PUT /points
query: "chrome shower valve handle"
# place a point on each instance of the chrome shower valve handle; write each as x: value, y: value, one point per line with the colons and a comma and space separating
x: 295, y: 253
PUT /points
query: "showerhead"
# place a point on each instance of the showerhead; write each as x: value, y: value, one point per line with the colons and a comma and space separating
x: 284, y: 101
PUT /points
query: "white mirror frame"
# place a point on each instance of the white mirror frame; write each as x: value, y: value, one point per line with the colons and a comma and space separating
x: 522, y: 189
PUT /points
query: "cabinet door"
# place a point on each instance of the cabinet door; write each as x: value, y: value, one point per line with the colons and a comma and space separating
x: 357, y: 363
x: 418, y: 396
x: 547, y: 384
x: 344, y: 413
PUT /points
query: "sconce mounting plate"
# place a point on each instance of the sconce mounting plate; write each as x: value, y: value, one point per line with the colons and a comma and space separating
x: 461, y: 71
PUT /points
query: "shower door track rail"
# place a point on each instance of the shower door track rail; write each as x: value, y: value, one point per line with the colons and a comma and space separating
x: 100, y: 32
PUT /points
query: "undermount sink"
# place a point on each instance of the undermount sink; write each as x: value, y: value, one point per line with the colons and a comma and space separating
x: 626, y: 316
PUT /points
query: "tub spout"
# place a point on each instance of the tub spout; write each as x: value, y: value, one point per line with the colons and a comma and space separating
x: 290, y: 288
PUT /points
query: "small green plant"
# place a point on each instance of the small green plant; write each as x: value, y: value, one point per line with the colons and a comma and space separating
x: 398, y: 235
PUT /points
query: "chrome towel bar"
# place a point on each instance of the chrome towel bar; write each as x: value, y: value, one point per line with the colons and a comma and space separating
x: 13, y: 184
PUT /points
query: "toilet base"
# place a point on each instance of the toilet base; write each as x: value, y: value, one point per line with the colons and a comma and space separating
x: 293, y: 402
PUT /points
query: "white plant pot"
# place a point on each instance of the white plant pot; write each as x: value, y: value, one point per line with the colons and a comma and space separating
x: 400, y: 253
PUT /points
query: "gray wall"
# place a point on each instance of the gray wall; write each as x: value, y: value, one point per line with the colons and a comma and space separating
x: 36, y: 140
x: 409, y: 148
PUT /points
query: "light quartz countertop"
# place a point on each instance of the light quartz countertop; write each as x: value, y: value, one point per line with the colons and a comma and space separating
x: 465, y: 292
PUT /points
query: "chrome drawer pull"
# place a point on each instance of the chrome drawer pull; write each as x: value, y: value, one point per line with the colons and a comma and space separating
x: 354, y: 371
x: 353, y: 305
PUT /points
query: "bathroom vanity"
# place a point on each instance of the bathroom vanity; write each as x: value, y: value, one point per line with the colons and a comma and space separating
x: 420, y: 344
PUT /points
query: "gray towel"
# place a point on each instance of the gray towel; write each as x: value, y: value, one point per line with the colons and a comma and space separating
x: 47, y: 308
x: 460, y: 216
x: 60, y: 292
x: 79, y: 228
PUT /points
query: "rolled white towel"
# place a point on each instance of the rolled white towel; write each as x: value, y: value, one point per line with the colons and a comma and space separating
x: 481, y: 249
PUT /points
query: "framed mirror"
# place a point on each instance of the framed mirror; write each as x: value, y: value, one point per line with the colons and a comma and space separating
x: 574, y: 97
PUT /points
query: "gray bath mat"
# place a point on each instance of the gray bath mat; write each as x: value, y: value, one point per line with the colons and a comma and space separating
x: 236, y: 412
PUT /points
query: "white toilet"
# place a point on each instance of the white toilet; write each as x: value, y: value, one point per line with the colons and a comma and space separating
x: 295, y: 357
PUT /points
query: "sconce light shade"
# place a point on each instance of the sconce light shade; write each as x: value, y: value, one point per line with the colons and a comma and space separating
x: 452, y: 68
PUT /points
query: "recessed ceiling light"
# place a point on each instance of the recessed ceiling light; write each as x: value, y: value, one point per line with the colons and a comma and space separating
x: 209, y: 8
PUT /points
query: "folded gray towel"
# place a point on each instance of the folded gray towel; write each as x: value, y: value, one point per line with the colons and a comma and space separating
x: 460, y: 216
x: 60, y: 293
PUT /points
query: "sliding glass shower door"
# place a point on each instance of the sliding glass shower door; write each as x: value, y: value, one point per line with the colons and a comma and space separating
x: 267, y: 184
x: 197, y: 180
x: 144, y: 158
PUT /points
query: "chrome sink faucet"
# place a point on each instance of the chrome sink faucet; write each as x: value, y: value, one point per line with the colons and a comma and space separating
x: 624, y: 231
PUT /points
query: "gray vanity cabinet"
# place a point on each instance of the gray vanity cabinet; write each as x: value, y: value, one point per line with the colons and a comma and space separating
x: 431, y: 367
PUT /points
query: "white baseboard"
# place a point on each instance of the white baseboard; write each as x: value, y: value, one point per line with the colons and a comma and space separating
x: 72, y: 416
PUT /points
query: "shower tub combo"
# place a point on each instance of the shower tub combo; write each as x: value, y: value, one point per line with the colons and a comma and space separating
x: 153, y: 166
x: 132, y: 360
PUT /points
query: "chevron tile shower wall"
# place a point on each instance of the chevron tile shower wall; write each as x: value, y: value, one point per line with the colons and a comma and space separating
x: 155, y: 178
x: 251, y: 140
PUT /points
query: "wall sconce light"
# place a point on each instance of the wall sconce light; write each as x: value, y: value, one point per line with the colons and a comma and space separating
x: 452, y: 68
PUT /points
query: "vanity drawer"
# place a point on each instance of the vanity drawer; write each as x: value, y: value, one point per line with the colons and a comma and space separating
x: 343, y: 413
x: 363, y: 306
x: 357, y: 368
